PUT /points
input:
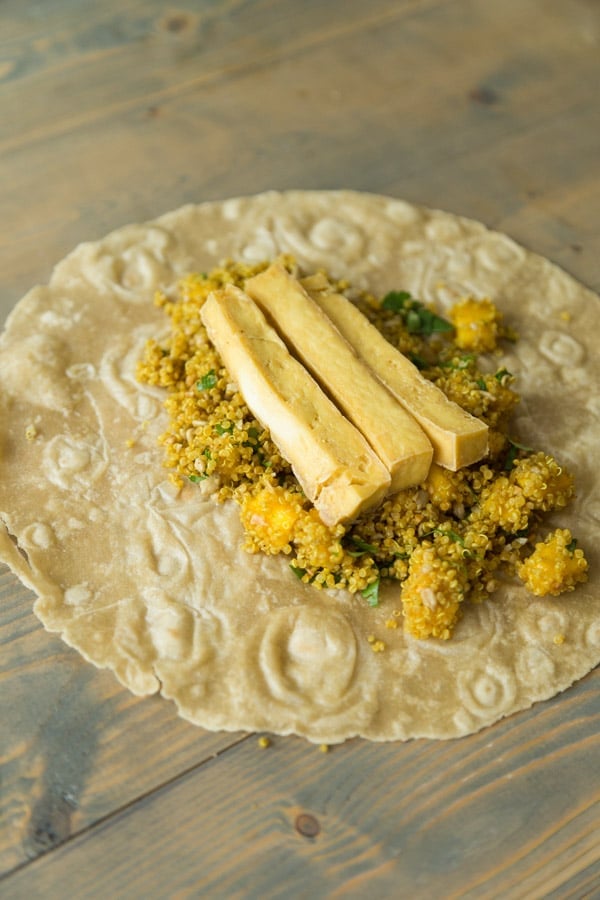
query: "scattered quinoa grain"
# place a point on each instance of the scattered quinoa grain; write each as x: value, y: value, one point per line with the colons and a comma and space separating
x: 264, y: 742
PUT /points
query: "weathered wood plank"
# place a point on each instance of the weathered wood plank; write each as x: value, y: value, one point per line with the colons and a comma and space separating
x: 75, y: 745
x: 498, y: 814
x: 148, y: 50
x: 118, y: 111
x: 373, y: 124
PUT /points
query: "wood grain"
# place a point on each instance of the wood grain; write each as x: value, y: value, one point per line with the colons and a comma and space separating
x: 474, y: 817
x: 235, y: 109
x: 79, y: 745
x: 117, y: 111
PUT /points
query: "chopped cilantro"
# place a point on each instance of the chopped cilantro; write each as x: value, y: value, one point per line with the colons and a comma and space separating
x: 418, y: 361
x: 395, y: 300
x: 253, y: 442
x: 509, y: 462
x: 362, y: 546
x: 417, y: 317
x: 481, y: 384
x: 371, y: 593
x: 430, y: 323
x: 298, y: 572
x: 197, y: 478
x: 501, y: 373
x: 401, y: 554
x: 413, y: 321
x: 572, y: 546
x: 207, y: 381
x: 457, y: 538
x: 225, y: 428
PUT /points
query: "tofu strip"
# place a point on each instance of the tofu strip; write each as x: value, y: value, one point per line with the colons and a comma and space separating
x: 394, y: 434
x: 458, y: 438
x: 335, y: 466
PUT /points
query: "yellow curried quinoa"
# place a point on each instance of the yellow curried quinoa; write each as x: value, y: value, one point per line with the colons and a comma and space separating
x: 446, y: 540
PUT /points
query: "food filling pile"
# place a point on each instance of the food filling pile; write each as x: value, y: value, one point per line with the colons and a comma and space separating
x: 448, y: 539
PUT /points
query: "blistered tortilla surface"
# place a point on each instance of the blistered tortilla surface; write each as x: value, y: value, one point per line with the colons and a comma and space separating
x: 153, y: 583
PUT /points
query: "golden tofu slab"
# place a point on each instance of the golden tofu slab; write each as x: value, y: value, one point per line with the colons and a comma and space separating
x: 394, y: 434
x: 337, y: 469
x: 458, y: 438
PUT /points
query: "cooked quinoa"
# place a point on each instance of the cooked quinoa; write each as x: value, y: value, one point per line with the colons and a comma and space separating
x: 447, y: 540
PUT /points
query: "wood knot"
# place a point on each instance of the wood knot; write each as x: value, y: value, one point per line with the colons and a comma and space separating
x: 307, y: 825
x: 176, y: 22
x: 50, y: 823
x: 484, y: 95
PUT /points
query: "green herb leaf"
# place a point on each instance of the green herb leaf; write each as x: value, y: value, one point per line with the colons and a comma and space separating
x: 481, y: 384
x: 207, y: 381
x: 413, y: 321
x: 418, y: 361
x: 254, y: 443
x: 509, y: 462
x: 395, y: 300
x: 371, y: 593
x: 362, y: 546
x: 521, y: 446
x: 501, y: 373
x: 299, y: 573
x: 224, y: 429
x: 453, y: 535
x: 197, y: 478
x: 432, y: 323
x: 572, y: 546
x: 417, y: 318
x: 457, y: 538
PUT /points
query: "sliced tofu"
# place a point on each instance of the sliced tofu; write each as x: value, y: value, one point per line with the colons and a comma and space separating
x: 337, y: 469
x: 394, y: 434
x: 458, y: 438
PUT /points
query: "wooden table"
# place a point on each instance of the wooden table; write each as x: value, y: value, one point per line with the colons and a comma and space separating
x: 117, y: 111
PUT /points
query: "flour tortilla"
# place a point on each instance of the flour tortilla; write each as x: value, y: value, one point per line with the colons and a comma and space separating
x: 153, y: 583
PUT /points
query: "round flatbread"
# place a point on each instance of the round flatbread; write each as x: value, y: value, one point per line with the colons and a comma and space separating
x: 152, y: 582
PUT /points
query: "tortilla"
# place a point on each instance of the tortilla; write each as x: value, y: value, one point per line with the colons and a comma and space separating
x: 153, y: 582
